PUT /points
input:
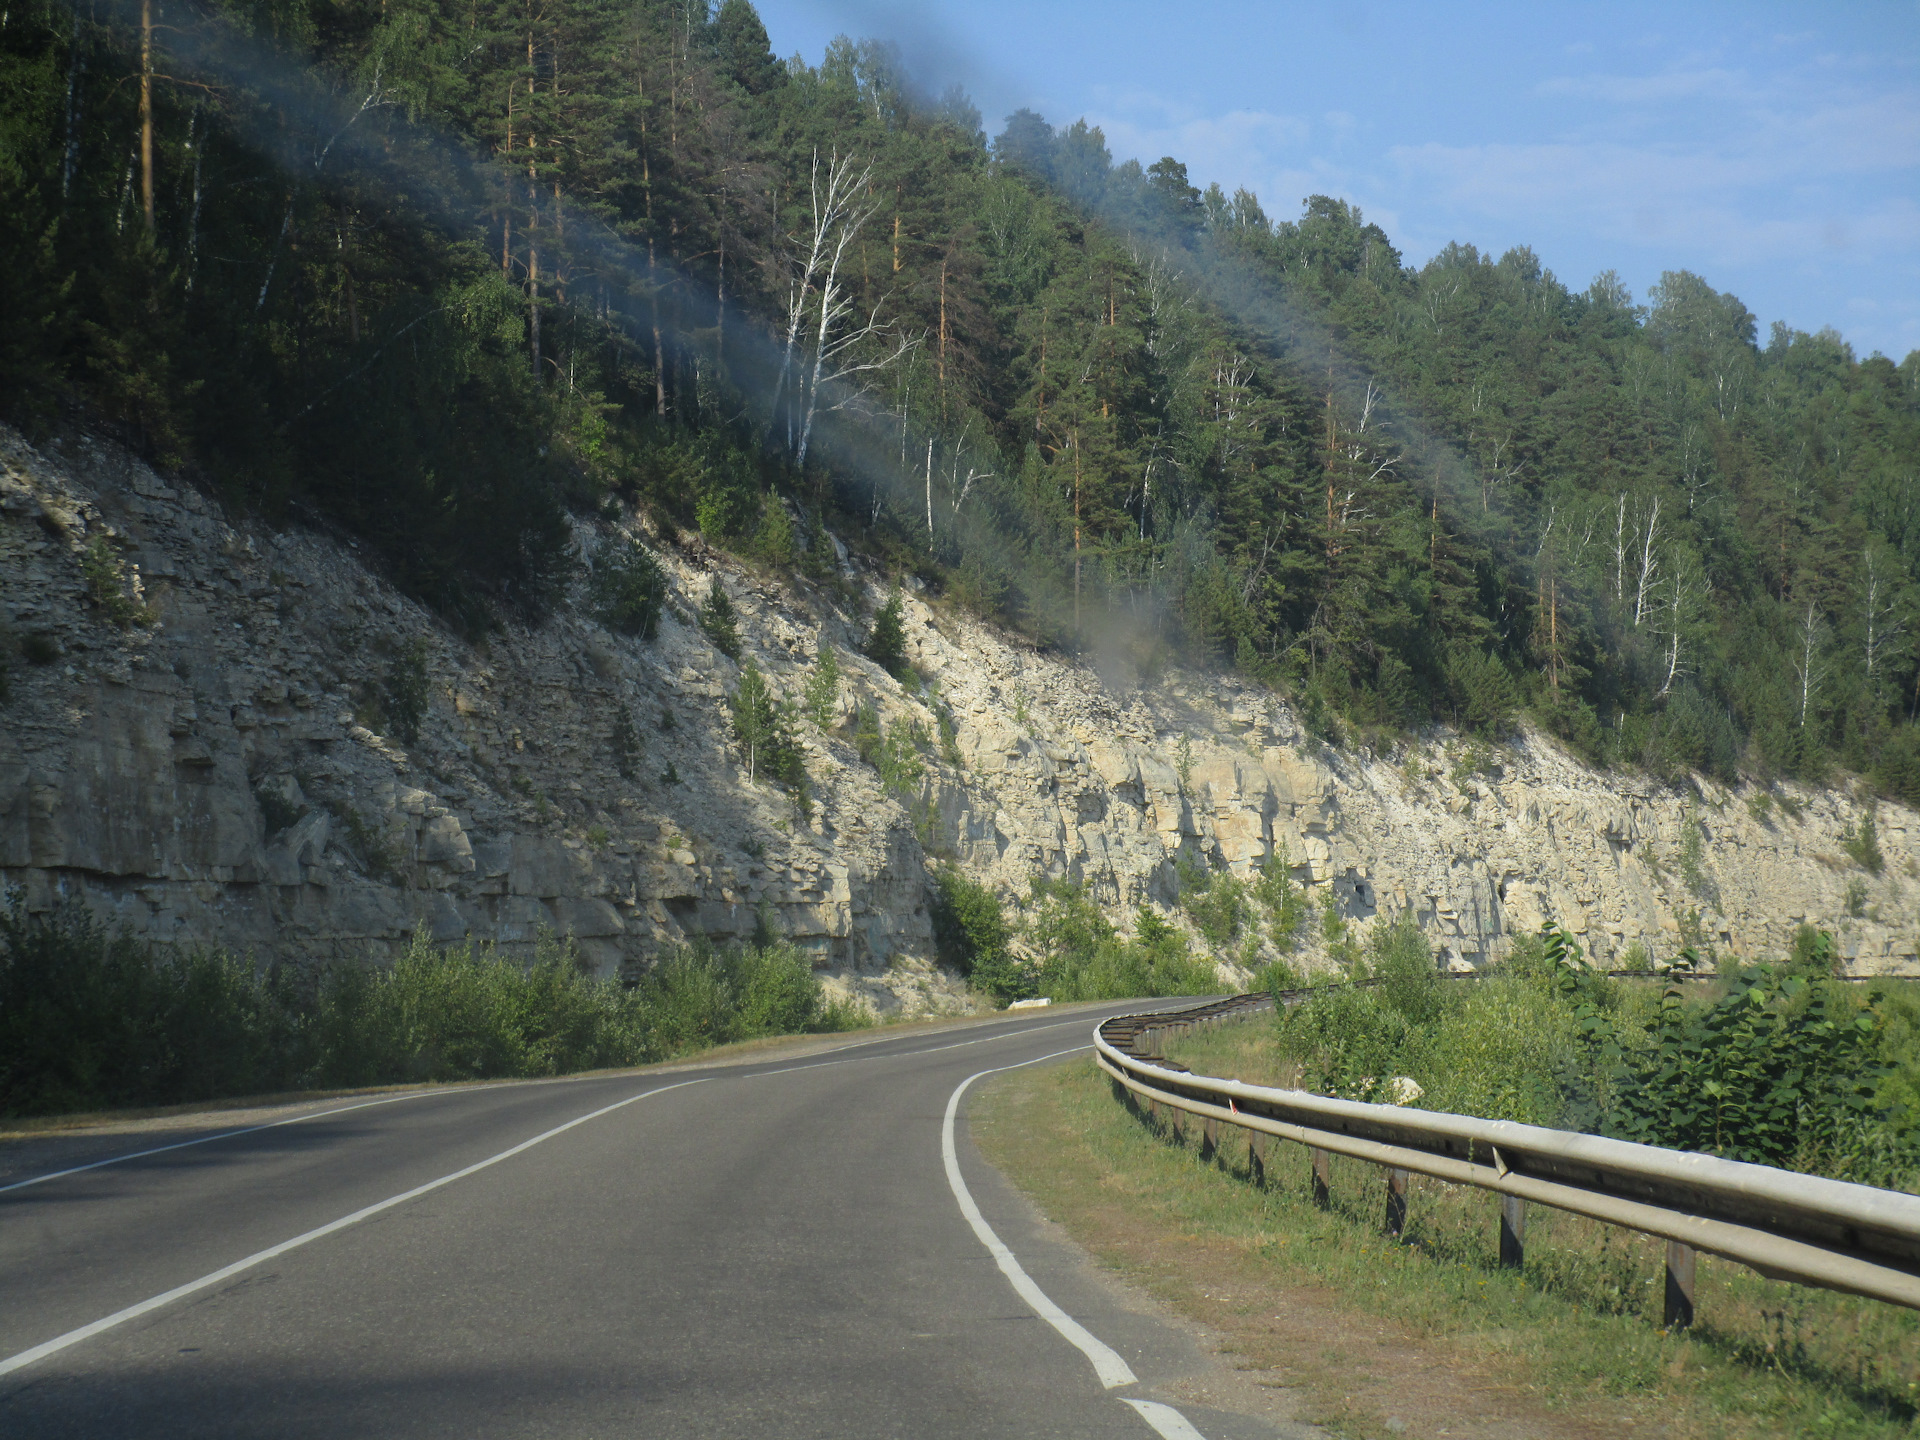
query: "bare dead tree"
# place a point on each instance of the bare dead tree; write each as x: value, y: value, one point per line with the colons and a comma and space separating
x: 1808, y: 662
x: 843, y: 345
x: 1649, y: 565
x: 1686, y: 589
x: 1884, y: 627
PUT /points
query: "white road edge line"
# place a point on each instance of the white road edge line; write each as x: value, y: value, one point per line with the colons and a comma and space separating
x: 1166, y: 1421
x: 928, y: 1050
x: 225, y: 1135
x: 133, y: 1312
x: 1107, y: 1363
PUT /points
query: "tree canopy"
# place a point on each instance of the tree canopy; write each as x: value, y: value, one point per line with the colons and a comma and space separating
x: 442, y: 273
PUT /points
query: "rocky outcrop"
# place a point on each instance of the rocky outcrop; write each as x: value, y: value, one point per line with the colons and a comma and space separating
x: 234, y: 772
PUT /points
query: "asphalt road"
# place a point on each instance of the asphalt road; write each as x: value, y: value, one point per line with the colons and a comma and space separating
x: 761, y: 1249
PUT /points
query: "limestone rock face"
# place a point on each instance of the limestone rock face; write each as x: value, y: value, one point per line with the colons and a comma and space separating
x: 233, y: 774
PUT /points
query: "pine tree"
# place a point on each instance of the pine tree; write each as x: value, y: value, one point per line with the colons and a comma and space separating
x: 887, y: 641
x: 718, y: 621
x: 823, y: 689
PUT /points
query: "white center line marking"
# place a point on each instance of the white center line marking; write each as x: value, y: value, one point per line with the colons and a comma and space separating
x: 225, y: 1135
x: 1107, y: 1364
x: 927, y: 1050
x: 133, y: 1312
x: 1166, y: 1420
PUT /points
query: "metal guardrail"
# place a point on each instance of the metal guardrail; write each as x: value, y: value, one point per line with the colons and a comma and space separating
x: 1804, y: 1228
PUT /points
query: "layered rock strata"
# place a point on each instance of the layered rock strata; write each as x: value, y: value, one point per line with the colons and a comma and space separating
x: 228, y: 769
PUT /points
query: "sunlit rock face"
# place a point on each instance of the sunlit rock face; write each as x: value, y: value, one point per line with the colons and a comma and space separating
x: 232, y: 774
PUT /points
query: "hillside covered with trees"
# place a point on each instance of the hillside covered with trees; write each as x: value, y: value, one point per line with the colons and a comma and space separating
x: 438, y: 274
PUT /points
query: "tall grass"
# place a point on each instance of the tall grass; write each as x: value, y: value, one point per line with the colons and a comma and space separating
x: 93, y: 1020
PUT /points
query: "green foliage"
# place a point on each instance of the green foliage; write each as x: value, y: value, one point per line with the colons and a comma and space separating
x: 700, y: 995
x: 625, y: 742
x: 90, y: 1020
x: 970, y: 927
x: 462, y: 364
x: 765, y: 731
x: 1081, y: 958
x: 823, y: 689
x: 1219, y: 904
x: 106, y: 576
x: 899, y: 754
x: 405, y: 689
x: 376, y: 851
x: 1183, y: 764
x: 1473, y: 759
x: 1284, y: 900
x: 1692, y: 857
x: 718, y: 621
x: 1862, y: 844
x: 628, y: 589
x: 1780, y: 1065
x: 1336, y: 933
x: 1815, y: 951
x: 1777, y: 1070
x: 887, y: 641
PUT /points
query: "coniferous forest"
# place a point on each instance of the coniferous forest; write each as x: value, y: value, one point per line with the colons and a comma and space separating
x: 440, y: 274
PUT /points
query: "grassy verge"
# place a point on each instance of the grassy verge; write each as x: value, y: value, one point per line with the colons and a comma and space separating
x: 1431, y: 1334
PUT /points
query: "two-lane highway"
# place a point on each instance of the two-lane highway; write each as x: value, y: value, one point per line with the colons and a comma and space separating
x: 796, y: 1247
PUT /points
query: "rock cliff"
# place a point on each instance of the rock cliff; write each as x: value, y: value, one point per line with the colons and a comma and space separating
x: 219, y: 732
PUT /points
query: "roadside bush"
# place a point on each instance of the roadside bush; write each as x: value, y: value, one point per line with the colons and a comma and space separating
x: 970, y: 928
x: 1776, y: 1064
x: 90, y: 1020
x: 1081, y: 958
x: 701, y: 994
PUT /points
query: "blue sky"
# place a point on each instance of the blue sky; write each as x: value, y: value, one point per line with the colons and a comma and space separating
x: 1773, y: 149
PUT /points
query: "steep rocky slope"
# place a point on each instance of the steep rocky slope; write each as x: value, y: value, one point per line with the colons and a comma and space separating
x: 221, y: 768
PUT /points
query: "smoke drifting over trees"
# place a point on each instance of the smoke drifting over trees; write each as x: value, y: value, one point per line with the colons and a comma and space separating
x: 440, y: 273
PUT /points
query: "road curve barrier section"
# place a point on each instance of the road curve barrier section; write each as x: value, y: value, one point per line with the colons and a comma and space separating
x: 1803, y: 1228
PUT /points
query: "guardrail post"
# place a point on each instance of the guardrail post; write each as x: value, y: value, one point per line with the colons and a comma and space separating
x: 1679, y: 1306
x: 1209, y: 1138
x: 1322, y: 1179
x: 1396, y: 1201
x: 1513, y: 1232
x: 1257, y: 1156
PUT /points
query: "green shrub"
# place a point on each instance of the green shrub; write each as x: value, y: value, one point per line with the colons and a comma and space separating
x: 718, y: 621
x: 1284, y: 900
x: 1862, y: 844
x: 628, y: 589
x: 701, y: 994
x: 106, y: 576
x: 1779, y: 1067
x: 1218, y: 904
x: 823, y: 689
x: 970, y: 928
x: 887, y: 642
x: 405, y: 691
x: 765, y: 731
x: 1081, y: 958
x: 90, y: 1020
x: 624, y: 741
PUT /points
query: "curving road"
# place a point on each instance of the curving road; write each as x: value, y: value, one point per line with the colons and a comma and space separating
x: 794, y: 1247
